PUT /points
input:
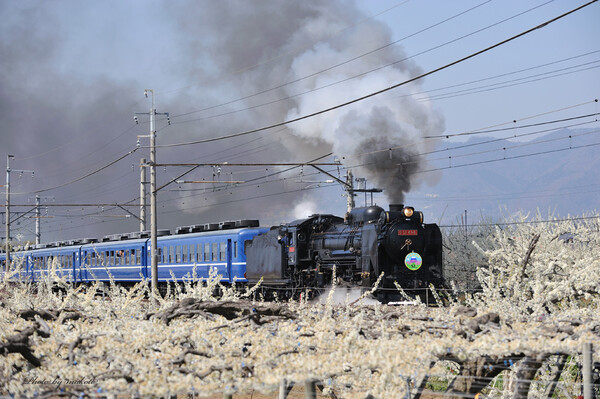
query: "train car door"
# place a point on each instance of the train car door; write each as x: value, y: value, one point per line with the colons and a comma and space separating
x: 138, y: 259
x: 30, y: 267
x: 229, y: 260
x: 76, y: 260
x: 147, y: 259
x: 84, y: 264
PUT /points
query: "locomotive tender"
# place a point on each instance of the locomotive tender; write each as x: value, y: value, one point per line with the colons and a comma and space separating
x: 291, y: 258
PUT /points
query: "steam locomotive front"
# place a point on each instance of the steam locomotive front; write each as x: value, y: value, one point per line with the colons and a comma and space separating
x: 411, y: 250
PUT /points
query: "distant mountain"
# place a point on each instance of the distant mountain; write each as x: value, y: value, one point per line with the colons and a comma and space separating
x: 558, y: 173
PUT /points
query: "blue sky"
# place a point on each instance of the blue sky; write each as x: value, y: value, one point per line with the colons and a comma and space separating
x: 73, y: 74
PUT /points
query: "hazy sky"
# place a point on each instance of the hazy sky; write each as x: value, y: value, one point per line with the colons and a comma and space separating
x: 72, y: 74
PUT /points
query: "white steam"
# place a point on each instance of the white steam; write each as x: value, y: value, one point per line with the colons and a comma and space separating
x: 304, y: 209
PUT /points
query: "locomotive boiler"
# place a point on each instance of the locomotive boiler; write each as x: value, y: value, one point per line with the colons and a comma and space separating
x: 368, y: 241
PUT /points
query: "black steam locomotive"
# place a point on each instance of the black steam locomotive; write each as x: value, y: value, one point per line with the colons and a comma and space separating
x: 365, y: 243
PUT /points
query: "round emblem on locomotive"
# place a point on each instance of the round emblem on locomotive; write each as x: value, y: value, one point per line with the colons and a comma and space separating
x: 413, y: 261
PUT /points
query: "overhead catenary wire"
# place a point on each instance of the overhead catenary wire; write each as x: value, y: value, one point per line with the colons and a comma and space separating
x: 82, y: 177
x: 357, y: 165
x: 296, y: 50
x: 510, y: 157
x: 514, y: 82
x: 520, y: 195
x: 364, y: 73
x: 513, y: 128
x: 420, y: 155
x: 362, y: 98
x: 569, y: 219
x: 503, y: 149
x: 504, y: 74
x: 283, y: 171
x: 261, y: 178
x: 492, y: 128
x: 221, y: 203
x: 328, y: 68
x: 495, y: 86
x: 489, y: 130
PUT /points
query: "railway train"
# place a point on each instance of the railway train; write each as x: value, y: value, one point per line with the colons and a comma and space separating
x: 301, y: 256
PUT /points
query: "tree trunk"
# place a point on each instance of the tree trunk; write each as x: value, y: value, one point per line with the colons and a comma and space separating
x: 557, y: 370
x: 525, y: 373
x: 477, y: 373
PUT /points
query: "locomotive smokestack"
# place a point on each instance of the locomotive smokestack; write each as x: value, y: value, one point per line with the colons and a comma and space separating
x: 396, y: 207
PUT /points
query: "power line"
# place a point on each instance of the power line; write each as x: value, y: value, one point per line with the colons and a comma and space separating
x: 324, y: 70
x: 509, y: 158
x: 514, y: 196
x: 285, y: 191
x: 82, y: 177
x: 76, y: 205
x: 523, y: 222
x: 487, y: 130
x: 483, y: 132
x: 366, y: 72
x: 481, y: 89
x: 503, y: 148
x: 262, y: 178
x: 293, y: 51
x: 495, y: 128
x: 459, y: 147
x: 352, y: 166
x: 421, y: 76
x: 511, y: 83
x: 364, y: 164
x: 504, y: 74
x: 253, y: 198
x: 530, y: 125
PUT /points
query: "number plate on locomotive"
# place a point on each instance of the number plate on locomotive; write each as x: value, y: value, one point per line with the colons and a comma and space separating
x: 407, y: 232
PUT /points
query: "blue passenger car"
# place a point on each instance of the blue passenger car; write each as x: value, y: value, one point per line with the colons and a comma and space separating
x: 123, y: 261
x: 63, y: 261
x: 194, y: 252
x: 196, y: 255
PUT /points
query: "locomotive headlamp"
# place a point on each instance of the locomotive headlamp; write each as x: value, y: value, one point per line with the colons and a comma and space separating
x: 408, y: 212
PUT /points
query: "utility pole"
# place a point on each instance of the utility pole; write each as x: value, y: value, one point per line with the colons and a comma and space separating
x: 8, y: 170
x: 38, y: 217
x: 38, y: 234
x: 153, y: 216
x: 350, y: 189
x: 142, y: 194
x: 7, y: 186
